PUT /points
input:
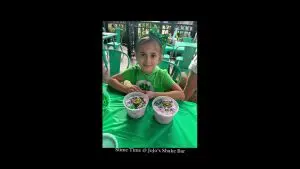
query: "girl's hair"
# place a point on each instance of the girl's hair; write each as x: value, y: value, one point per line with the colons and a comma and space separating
x: 145, y: 40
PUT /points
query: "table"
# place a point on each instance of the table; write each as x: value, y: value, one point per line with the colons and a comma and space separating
x: 145, y: 132
x: 106, y: 35
x: 179, y: 46
x: 185, y: 44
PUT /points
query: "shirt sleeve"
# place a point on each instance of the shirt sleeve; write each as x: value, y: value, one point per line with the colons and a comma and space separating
x: 193, y: 65
x: 168, y: 82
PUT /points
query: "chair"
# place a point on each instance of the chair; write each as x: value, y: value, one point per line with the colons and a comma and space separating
x: 180, y: 50
x: 186, y: 58
x: 195, y: 38
x: 173, y: 70
x: 166, y: 57
x: 115, y: 60
x: 164, y: 64
x: 104, y: 59
x: 118, y: 42
x: 187, y: 39
x: 170, y: 47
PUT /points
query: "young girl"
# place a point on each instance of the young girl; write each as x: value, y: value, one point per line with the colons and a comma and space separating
x: 146, y: 76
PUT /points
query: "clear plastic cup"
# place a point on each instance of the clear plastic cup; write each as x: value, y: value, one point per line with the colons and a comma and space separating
x: 109, y: 141
x: 160, y: 115
x: 136, y: 113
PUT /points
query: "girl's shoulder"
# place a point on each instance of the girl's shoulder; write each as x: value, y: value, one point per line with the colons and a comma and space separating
x: 132, y: 68
x: 161, y: 72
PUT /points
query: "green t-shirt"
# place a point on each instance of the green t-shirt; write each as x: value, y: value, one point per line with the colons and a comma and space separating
x: 158, y: 81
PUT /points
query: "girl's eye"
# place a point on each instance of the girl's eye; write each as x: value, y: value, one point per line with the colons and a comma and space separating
x: 153, y: 56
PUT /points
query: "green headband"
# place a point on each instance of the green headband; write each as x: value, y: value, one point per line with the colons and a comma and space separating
x: 162, y: 39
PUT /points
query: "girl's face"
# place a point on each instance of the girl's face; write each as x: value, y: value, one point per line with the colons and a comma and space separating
x: 148, y: 56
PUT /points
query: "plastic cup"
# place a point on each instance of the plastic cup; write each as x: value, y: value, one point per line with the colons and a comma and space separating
x: 136, y: 113
x: 160, y: 116
x: 109, y: 141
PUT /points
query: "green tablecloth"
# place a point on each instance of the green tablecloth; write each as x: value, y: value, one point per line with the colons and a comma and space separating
x: 145, y: 132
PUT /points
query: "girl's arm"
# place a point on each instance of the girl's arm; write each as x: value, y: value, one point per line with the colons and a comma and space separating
x: 191, y: 85
x: 115, y: 82
x: 176, y: 93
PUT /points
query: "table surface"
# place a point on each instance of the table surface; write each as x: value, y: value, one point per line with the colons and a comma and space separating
x: 106, y: 35
x: 186, y: 44
x: 146, y: 132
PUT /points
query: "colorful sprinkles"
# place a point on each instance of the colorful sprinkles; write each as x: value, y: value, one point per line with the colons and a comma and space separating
x: 135, y: 102
x: 165, y: 106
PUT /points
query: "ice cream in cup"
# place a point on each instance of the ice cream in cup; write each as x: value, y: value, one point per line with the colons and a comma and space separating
x: 135, y: 104
x: 165, y: 108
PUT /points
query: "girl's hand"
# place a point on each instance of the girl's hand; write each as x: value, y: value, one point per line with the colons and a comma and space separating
x: 133, y: 88
x: 150, y: 94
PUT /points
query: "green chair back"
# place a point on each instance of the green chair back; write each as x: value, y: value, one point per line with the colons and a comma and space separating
x: 118, y: 32
x: 164, y: 64
x: 175, y: 73
x: 115, y: 61
x: 117, y: 43
x: 187, y: 57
